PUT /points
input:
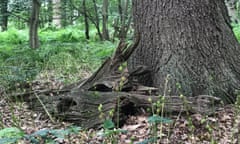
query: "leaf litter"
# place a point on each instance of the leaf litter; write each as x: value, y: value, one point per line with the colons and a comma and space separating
x: 222, y: 127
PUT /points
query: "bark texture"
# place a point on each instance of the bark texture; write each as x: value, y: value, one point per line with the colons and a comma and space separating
x: 105, y: 33
x: 81, y: 108
x: 86, y: 20
x: 34, y: 22
x: 189, y: 47
x: 4, y: 15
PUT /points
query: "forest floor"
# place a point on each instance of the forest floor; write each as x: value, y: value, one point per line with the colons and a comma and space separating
x: 222, y: 127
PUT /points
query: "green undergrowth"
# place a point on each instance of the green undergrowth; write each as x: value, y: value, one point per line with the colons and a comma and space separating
x: 64, y: 53
x: 12, y: 135
x: 236, y: 30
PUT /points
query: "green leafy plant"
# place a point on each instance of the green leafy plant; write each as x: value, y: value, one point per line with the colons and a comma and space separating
x: 12, y: 135
x: 49, y: 134
x: 157, y: 119
x: 110, y: 133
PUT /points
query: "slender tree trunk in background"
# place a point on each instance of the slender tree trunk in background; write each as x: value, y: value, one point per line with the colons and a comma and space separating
x: 189, y: 47
x: 44, y: 16
x: 4, y: 15
x: 122, y: 27
x: 50, y: 13
x: 127, y: 19
x: 86, y: 20
x: 71, y: 13
x: 120, y: 10
x: 64, y: 13
x: 105, y: 32
x: 56, y: 13
x: 97, y: 21
x: 34, y: 21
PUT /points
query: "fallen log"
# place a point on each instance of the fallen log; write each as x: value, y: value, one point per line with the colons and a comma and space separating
x: 81, y: 108
x: 117, y: 91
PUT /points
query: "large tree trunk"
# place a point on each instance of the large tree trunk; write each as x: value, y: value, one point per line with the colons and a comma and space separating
x: 34, y: 22
x: 189, y: 47
x: 4, y: 15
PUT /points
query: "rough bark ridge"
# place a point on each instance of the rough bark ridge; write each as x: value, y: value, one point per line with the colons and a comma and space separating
x: 191, y: 42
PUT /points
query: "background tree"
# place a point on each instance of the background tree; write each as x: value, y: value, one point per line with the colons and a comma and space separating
x: 97, y: 19
x: 233, y: 10
x: 34, y: 21
x: 4, y: 15
x: 105, y: 33
x: 188, y: 46
x: 56, y: 13
x: 64, y: 13
x: 86, y: 20
x: 19, y: 13
x: 46, y: 14
x: 123, y: 21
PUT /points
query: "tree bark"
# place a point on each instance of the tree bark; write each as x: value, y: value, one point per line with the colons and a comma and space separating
x: 86, y: 20
x: 121, y: 28
x: 64, y: 20
x: 50, y: 13
x: 126, y: 20
x: 105, y: 33
x: 56, y: 13
x: 4, y: 15
x: 189, y: 46
x: 97, y: 21
x: 34, y: 21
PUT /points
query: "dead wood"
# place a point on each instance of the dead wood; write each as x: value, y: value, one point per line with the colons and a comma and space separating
x: 81, y: 107
x: 78, y: 103
x: 108, y: 76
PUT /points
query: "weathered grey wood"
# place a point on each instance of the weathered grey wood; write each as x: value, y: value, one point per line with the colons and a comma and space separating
x: 81, y: 108
x: 108, y: 73
x: 78, y: 103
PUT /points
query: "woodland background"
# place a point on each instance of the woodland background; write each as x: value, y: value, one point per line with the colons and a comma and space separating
x: 47, y: 44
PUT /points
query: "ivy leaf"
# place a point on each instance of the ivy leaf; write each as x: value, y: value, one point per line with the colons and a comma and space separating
x: 108, y: 124
x: 155, y: 119
x: 147, y: 141
x: 11, y: 132
x: 8, y: 140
